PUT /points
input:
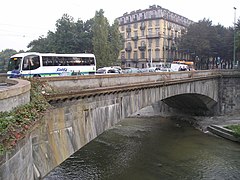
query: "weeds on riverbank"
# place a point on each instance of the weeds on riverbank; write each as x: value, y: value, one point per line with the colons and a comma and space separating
x: 15, y: 124
x: 235, y: 129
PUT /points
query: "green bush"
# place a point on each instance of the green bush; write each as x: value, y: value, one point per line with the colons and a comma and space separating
x: 14, y: 124
x: 235, y: 129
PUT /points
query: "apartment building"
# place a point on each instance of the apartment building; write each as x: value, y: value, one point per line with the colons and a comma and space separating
x: 151, y: 37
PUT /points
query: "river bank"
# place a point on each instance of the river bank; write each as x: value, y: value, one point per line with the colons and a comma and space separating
x: 152, y: 147
x: 199, y: 122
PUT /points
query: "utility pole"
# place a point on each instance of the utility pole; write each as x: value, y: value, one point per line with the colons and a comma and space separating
x: 234, y: 38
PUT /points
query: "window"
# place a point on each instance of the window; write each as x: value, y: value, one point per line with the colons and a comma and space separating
x: 157, y: 54
x: 122, y: 55
x: 157, y: 43
x: 135, y: 25
x: 149, y: 54
x: 143, y: 34
x: 128, y: 45
x: 150, y: 23
x: 135, y: 44
x: 67, y: 61
x: 31, y: 62
x: 135, y: 33
x: 129, y: 55
x: 135, y: 55
x: 150, y: 31
x: 142, y: 54
x: 150, y: 43
x: 128, y: 34
x: 157, y: 22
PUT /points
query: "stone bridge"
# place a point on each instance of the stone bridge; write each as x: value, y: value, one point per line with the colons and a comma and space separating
x: 86, y: 106
x: 190, y: 92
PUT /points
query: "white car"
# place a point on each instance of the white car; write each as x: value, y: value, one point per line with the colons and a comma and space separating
x: 107, y: 70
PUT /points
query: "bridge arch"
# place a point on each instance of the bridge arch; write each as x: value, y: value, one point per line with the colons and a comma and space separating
x: 192, y: 103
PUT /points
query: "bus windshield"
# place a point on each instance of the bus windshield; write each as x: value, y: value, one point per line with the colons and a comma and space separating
x: 14, y: 63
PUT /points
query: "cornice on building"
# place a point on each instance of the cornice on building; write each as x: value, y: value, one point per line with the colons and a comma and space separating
x: 153, y: 12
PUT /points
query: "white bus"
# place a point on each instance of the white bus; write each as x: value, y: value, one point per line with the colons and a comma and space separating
x: 33, y: 64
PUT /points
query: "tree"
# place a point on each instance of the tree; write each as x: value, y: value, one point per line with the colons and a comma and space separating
x: 42, y: 44
x: 4, y: 57
x: 64, y: 35
x: 100, y: 39
x: 115, y: 42
x: 107, y: 41
x: 93, y: 36
x: 212, y: 45
x: 69, y: 37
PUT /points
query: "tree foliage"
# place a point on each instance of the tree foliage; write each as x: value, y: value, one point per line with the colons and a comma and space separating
x: 93, y: 36
x: 210, y: 46
x: 100, y: 38
x: 4, y: 57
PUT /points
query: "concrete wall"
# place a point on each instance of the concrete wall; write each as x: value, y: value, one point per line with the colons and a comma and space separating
x: 229, y: 92
x: 3, y: 77
x: 16, y: 93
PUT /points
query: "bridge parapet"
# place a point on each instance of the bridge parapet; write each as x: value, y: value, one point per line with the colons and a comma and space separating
x: 76, y: 83
x: 16, y: 92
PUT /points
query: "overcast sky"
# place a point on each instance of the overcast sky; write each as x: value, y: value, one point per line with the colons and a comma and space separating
x: 22, y: 21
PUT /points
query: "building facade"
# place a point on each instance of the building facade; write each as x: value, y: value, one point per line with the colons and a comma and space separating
x: 151, y: 37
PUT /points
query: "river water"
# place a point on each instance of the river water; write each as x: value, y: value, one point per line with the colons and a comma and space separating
x: 152, y: 148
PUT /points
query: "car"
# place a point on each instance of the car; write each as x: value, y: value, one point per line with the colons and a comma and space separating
x: 107, y: 70
x: 128, y: 70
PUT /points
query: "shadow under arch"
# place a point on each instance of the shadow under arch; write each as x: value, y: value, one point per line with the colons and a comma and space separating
x: 192, y: 103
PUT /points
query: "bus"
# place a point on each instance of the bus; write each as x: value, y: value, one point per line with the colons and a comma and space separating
x: 34, y: 64
x: 186, y: 64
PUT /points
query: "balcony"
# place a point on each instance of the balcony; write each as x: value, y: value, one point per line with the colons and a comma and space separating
x: 135, y: 60
x: 128, y: 29
x: 151, y: 36
x: 129, y: 48
x: 135, y: 38
x: 142, y: 47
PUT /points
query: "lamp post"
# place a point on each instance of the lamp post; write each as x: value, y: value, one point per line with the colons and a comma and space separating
x: 234, y: 38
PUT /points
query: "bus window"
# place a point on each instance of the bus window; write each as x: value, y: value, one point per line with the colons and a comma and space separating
x: 47, y: 61
x: 31, y: 62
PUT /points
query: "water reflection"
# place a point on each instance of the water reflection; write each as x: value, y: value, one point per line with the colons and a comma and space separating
x: 153, y: 148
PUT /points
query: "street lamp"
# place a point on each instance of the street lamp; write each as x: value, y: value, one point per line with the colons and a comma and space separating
x: 234, y: 38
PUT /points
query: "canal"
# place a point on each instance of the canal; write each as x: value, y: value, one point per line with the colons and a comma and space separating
x: 152, y: 148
